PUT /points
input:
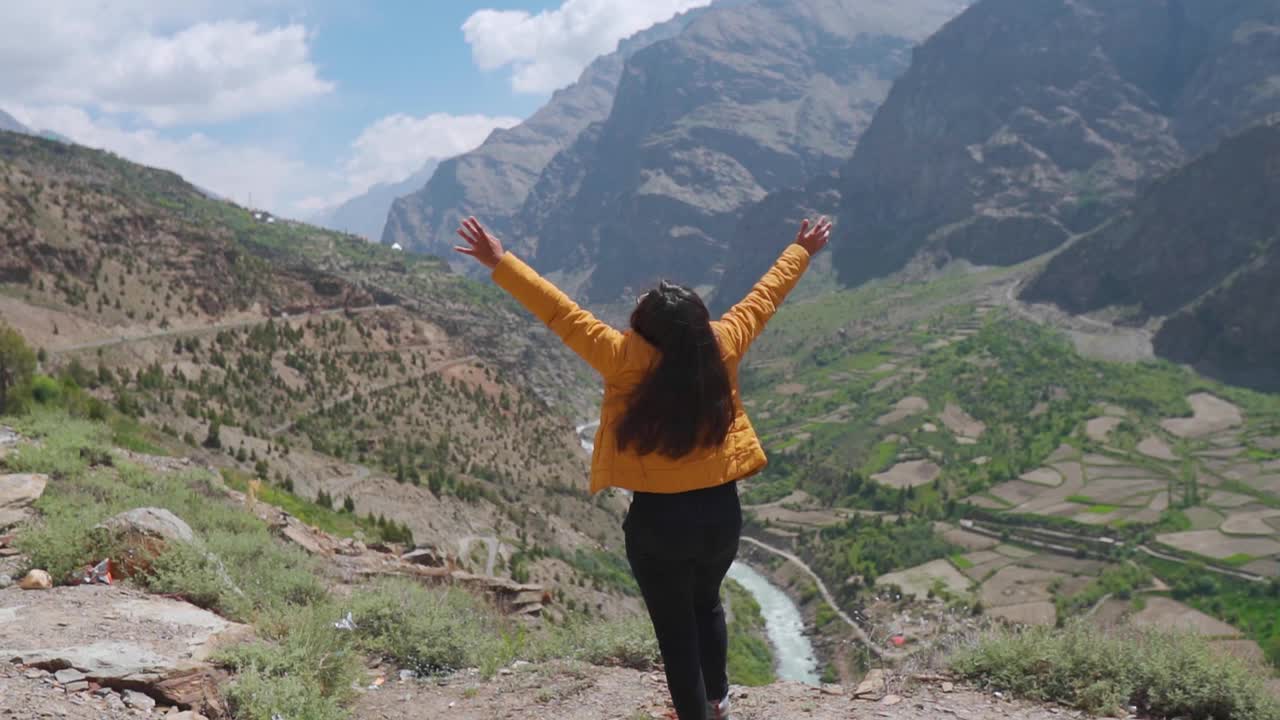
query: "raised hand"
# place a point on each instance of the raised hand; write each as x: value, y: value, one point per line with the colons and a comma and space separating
x: 814, y: 237
x: 481, y: 244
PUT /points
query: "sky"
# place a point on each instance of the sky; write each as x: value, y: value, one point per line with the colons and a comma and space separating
x: 298, y: 105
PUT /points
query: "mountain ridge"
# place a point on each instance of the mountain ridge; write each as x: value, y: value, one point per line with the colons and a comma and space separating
x: 493, y: 180
x: 366, y: 214
x: 707, y: 123
x: 1196, y: 250
x: 1000, y: 143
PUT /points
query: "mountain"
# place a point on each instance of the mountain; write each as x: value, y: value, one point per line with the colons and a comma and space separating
x: 10, y: 124
x: 1025, y: 122
x: 332, y: 365
x: 1200, y: 248
x: 366, y: 215
x: 709, y: 122
x: 493, y: 180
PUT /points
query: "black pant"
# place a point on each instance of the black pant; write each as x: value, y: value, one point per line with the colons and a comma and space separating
x: 680, y: 547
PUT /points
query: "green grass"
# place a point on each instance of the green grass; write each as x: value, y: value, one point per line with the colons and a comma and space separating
x: 961, y: 562
x: 1082, y: 500
x: 327, y: 519
x: 1250, y: 607
x: 300, y: 666
x: 1102, y: 509
x: 1238, y: 560
x: 1097, y: 671
x: 881, y: 458
x: 750, y: 657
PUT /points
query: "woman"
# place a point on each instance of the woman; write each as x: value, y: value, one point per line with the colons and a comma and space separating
x: 674, y: 432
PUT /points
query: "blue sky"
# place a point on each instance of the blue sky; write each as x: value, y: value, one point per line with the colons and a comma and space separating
x: 299, y: 104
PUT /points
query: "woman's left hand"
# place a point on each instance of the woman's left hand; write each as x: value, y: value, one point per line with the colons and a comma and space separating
x: 482, y: 245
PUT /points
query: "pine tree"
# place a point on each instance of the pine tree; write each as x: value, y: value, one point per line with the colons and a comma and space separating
x: 213, y: 440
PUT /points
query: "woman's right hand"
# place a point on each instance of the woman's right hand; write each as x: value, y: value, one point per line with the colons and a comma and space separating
x: 814, y: 237
x: 481, y: 244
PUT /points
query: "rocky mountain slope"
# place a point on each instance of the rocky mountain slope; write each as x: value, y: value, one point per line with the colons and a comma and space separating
x: 1201, y: 248
x: 366, y: 215
x: 316, y: 361
x: 493, y: 180
x: 706, y: 124
x: 1021, y: 124
x: 10, y: 124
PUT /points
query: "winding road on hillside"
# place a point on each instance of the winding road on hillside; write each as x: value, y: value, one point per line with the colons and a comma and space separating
x: 370, y: 390
x: 206, y: 329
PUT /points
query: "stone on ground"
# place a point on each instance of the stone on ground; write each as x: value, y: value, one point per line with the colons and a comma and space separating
x: 36, y: 580
x: 17, y: 493
x: 121, y: 638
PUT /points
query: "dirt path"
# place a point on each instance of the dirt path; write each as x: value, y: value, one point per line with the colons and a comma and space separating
x: 370, y: 390
x: 578, y: 692
x: 203, y: 330
x: 871, y: 644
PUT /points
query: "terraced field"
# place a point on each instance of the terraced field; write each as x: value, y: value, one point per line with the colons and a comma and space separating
x: 1042, y: 469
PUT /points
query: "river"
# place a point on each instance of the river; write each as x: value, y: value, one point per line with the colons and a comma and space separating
x: 783, y: 623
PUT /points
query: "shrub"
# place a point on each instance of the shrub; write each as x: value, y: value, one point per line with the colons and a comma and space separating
x: 17, y: 363
x: 1163, y: 674
x: 431, y: 631
x: 628, y: 642
x: 305, y: 668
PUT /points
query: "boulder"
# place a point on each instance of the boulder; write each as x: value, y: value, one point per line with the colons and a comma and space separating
x: 425, y: 556
x: 150, y: 522
x: 143, y: 534
x: 124, y: 639
x: 17, y: 493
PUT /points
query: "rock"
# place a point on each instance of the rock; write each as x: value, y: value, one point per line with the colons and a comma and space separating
x: 832, y: 690
x: 155, y: 645
x: 35, y: 674
x: 17, y: 493
x: 153, y: 522
x: 948, y: 687
x: 78, y: 686
x: 872, y: 686
x: 139, y: 701
x: 425, y: 556
x: 5, y: 581
x: 68, y: 675
x: 36, y: 580
x: 144, y: 533
x: 185, y: 715
x: 891, y: 700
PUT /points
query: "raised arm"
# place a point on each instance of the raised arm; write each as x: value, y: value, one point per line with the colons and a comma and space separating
x: 745, y: 321
x: 593, y: 340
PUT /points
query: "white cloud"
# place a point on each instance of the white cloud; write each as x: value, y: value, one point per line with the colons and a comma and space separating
x: 239, y: 172
x: 397, y: 146
x: 154, y: 60
x: 549, y: 50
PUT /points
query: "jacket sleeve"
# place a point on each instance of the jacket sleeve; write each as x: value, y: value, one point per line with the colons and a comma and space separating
x: 593, y: 340
x: 745, y: 321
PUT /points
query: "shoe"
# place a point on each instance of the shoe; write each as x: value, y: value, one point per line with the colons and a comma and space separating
x: 719, y: 710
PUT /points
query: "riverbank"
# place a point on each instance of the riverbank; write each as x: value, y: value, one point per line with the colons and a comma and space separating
x: 840, y: 656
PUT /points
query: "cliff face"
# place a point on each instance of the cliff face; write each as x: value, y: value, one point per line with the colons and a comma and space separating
x: 493, y: 180
x: 707, y: 124
x: 1200, y: 247
x: 1022, y: 123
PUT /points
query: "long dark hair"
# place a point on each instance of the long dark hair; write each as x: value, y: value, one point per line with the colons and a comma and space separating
x: 686, y: 402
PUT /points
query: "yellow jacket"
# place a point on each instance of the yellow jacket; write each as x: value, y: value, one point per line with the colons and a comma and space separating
x: 623, y: 359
